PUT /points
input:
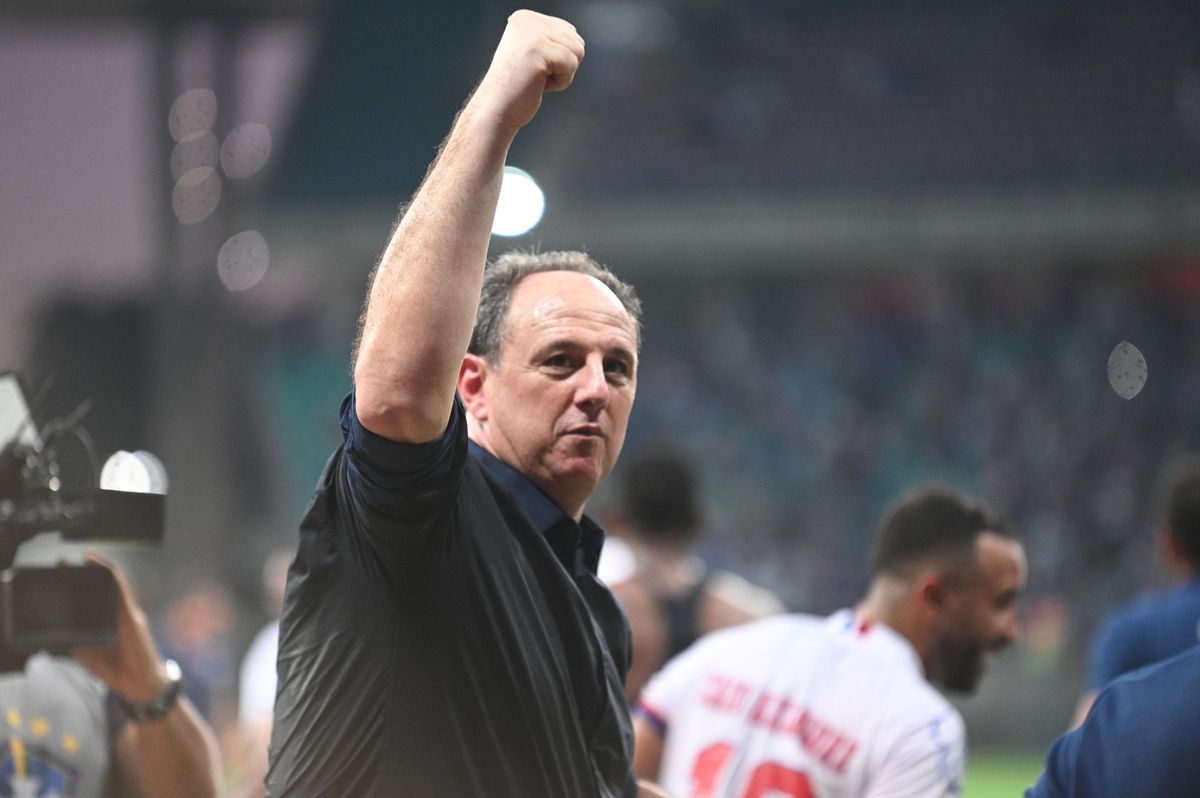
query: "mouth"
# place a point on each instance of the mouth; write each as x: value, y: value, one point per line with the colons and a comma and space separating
x: 586, y: 431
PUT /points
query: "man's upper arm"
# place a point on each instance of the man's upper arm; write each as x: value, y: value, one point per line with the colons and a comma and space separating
x: 1059, y: 762
x: 1116, y: 651
x: 648, y: 748
x: 394, y: 499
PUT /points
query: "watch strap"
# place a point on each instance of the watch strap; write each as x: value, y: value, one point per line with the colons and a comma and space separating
x: 161, y: 704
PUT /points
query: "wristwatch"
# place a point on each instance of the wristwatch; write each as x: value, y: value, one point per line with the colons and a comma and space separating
x: 161, y: 703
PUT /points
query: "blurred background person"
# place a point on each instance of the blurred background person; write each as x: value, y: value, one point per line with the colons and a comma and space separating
x: 1163, y: 623
x: 844, y: 706
x: 1140, y: 738
x: 194, y: 631
x: 247, y: 767
x: 671, y: 596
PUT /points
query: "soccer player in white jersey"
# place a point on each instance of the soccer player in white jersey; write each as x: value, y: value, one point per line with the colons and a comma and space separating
x: 799, y: 706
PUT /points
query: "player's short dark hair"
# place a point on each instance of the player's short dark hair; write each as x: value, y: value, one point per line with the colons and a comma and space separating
x: 660, y: 495
x: 1180, y: 499
x: 503, y: 275
x: 931, y: 523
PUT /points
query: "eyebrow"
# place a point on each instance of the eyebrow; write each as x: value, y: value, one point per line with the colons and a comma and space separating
x: 573, y: 344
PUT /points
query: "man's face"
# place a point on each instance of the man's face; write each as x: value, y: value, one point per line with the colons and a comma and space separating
x: 981, y: 615
x: 556, y: 402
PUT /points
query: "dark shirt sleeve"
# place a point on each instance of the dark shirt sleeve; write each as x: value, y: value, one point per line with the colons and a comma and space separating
x: 1060, y: 763
x: 1117, y: 650
x: 395, y: 499
x: 115, y: 715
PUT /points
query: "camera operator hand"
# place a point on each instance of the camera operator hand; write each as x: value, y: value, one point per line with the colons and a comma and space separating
x: 165, y: 747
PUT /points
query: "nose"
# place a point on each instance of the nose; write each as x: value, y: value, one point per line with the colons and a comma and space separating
x: 591, y: 387
x: 1010, y: 629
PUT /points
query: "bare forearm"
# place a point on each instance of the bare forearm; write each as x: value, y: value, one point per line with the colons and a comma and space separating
x: 422, y: 303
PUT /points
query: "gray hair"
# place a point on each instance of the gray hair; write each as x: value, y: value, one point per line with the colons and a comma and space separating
x: 504, y: 274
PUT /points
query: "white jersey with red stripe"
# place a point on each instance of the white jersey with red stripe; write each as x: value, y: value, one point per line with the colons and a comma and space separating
x: 798, y: 706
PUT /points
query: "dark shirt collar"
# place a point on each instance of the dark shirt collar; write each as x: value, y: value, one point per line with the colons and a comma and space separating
x: 575, y: 544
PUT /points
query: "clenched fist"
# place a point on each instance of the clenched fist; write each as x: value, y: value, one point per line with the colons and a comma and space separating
x: 537, y: 54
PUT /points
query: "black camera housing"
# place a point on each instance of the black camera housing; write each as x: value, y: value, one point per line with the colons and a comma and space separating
x: 57, y: 608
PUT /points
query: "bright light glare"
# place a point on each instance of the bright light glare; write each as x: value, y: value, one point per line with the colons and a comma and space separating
x: 134, y: 472
x: 521, y: 204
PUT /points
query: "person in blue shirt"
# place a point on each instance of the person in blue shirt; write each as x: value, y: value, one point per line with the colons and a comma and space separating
x: 1159, y: 625
x: 1140, y: 739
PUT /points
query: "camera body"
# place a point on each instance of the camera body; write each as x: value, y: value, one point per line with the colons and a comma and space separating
x: 60, y: 607
x: 57, y: 608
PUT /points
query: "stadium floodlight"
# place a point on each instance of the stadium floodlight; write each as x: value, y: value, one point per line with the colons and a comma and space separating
x: 521, y: 204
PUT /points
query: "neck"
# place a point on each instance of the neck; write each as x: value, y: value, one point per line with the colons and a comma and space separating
x: 888, y: 602
x: 569, y: 501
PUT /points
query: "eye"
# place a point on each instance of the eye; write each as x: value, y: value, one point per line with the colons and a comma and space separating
x: 560, y: 362
x: 618, y: 371
x: 1005, y: 600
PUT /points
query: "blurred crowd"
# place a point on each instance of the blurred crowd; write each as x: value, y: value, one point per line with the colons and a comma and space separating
x: 810, y: 401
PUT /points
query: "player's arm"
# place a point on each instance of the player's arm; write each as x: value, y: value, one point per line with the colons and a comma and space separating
x: 1083, y: 708
x: 1112, y: 654
x: 647, y: 748
x: 649, y: 790
x: 424, y: 294
x: 926, y: 760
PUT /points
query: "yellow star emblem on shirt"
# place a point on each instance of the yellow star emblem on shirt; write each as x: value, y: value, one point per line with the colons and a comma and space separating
x: 39, y: 728
x: 70, y: 743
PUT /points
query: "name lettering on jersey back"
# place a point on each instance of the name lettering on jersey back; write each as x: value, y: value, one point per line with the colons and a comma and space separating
x: 780, y: 715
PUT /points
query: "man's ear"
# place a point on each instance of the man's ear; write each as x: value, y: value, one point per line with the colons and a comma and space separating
x: 930, y: 592
x: 471, y: 376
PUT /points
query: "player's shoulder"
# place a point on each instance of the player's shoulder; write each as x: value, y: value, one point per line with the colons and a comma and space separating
x: 887, y: 665
x: 761, y: 633
x: 1145, y: 611
x: 742, y: 598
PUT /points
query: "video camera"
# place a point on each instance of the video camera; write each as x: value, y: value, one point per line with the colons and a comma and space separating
x: 57, y: 608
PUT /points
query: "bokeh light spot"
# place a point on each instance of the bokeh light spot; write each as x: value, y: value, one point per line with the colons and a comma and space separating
x: 194, y: 151
x: 1127, y: 370
x: 521, y: 204
x: 245, y: 150
x: 196, y: 195
x: 243, y: 260
x: 134, y: 472
x: 192, y: 112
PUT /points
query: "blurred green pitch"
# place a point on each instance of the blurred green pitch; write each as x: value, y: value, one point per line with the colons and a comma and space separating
x: 1001, y: 774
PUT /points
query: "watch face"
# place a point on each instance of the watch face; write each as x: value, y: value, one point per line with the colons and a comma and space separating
x: 162, y: 702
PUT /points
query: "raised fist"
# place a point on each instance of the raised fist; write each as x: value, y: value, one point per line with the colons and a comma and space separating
x: 537, y: 54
